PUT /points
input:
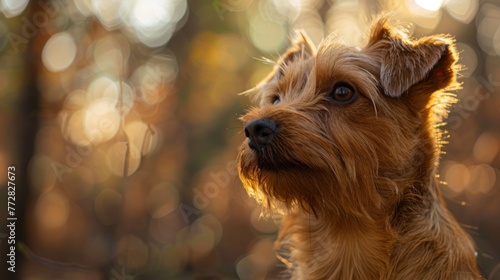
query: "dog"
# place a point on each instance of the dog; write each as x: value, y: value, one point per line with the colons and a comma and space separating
x: 344, y: 146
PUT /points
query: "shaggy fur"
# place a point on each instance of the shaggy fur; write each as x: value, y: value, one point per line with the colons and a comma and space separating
x: 356, y: 183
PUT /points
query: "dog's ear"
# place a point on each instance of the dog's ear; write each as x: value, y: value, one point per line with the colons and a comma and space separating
x: 301, y: 48
x: 428, y: 62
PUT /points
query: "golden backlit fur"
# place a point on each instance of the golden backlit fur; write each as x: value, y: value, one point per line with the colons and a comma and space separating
x: 355, y: 182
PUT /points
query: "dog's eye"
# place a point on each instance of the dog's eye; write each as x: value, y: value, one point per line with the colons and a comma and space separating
x: 275, y: 99
x: 343, y: 93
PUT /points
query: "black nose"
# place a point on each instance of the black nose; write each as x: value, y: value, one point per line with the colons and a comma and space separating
x: 259, y: 133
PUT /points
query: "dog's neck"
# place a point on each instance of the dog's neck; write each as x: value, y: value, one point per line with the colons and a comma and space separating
x: 357, y: 250
x: 350, y: 248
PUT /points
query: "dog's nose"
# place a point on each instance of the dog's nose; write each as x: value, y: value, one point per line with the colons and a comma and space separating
x: 260, y: 132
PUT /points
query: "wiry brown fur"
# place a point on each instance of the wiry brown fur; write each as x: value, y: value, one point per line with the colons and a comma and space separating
x: 356, y: 182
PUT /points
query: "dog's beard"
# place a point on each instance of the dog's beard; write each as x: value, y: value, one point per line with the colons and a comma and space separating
x: 276, y: 159
x: 279, y: 179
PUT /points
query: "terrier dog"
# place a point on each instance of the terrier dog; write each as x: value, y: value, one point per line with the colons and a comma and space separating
x: 345, y: 146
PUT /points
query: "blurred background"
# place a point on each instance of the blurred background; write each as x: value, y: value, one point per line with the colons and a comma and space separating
x: 120, y: 117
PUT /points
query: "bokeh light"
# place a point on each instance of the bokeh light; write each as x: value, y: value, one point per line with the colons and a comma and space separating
x: 426, y: 14
x: 162, y: 200
x: 488, y: 34
x: 268, y: 36
x: 59, y: 52
x: 346, y: 24
x: 430, y: 5
x: 462, y: 10
x: 110, y: 53
x: 256, y: 264
x: 468, y: 58
x: 486, y: 148
x: 456, y: 175
x: 122, y: 117
x: 12, y: 8
x: 154, y: 22
x: 101, y: 118
x: 108, y: 12
x: 122, y: 159
x: 52, y: 210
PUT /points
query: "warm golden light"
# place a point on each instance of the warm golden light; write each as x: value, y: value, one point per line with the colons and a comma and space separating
x: 486, y: 148
x: 463, y: 10
x: 430, y: 5
x: 59, y: 52
x: 266, y: 35
x: 456, y: 175
x: 162, y: 200
x: 126, y: 114
x: 52, y: 210
x: 119, y: 156
x: 12, y: 8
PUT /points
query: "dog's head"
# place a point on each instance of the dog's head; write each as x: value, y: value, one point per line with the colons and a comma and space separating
x: 341, y: 130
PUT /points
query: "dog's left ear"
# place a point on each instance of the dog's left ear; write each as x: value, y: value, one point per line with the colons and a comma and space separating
x: 302, y: 47
x: 405, y: 63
